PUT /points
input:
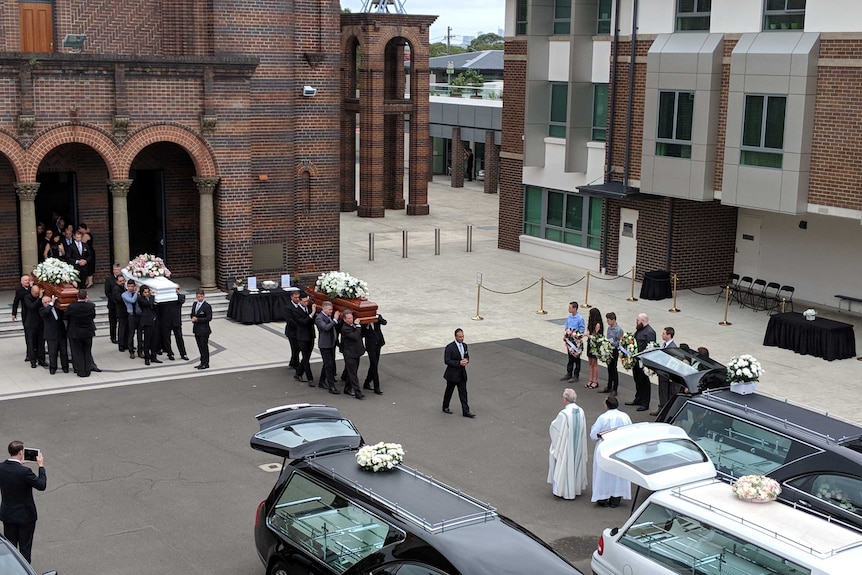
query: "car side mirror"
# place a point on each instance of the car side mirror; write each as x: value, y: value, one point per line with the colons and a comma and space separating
x: 614, y: 531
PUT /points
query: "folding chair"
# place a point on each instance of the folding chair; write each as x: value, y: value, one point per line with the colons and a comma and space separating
x: 785, y: 293
x: 767, y: 298
x: 733, y: 283
x: 756, y: 293
x: 743, y: 290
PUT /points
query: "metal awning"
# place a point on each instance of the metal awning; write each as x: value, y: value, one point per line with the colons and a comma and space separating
x: 613, y: 191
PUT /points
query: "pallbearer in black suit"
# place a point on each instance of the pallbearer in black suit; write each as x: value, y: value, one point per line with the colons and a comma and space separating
x: 17, y: 509
x: 352, y: 350
x: 202, y: 315
x: 110, y: 284
x: 373, y: 342
x: 54, y: 331
x: 171, y: 323
x: 149, y: 327
x: 121, y: 313
x: 33, y: 327
x: 290, y: 331
x: 303, y: 316
x: 80, y: 329
x: 456, y: 357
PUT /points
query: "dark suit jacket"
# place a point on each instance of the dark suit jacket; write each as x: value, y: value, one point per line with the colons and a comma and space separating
x: 53, y: 328
x: 171, y: 312
x: 374, y: 335
x: 304, y: 324
x: 643, y: 336
x: 328, y: 337
x: 20, y: 293
x: 110, y: 283
x: 73, y: 255
x: 17, y: 482
x: 31, y: 318
x: 148, y: 311
x: 117, y: 298
x: 452, y: 358
x: 80, y: 320
x: 204, y: 312
x: 351, y: 341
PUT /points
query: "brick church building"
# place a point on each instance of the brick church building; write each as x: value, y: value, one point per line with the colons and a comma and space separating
x: 185, y: 129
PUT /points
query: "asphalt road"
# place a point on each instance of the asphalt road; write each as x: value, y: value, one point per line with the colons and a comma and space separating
x: 159, y: 478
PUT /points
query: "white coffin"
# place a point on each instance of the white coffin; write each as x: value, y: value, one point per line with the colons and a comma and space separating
x: 163, y: 288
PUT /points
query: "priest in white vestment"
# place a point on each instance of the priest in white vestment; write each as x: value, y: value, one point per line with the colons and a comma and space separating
x: 567, y: 456
x: 608, y: 489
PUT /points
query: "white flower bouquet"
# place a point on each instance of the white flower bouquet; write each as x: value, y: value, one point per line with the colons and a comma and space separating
x: 756, y: 488
x: 744, y: 368
x: 148, y: 266
x: 574, y: 342
x: 379, y: 457
x: 810, y: 314
x: 54, y: 271
x: 343, y: 285
x: 628, y: 347
x: 601, y: 347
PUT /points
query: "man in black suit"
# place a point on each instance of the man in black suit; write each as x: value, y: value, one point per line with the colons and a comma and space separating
x: 120, y: 311
x: 666, y: 388
x: 352, y: 350
x: 290, y: 331
x: 80, y: 255
x: 202, y: 315
x: 326, y: 322
x: 456, y: 357
x: 171, y: 321
x: 644, y: 334
x: 33, y: 327
x: 17, y: 509
x: 374, y: 340
x: 21, y: 292
x: 303, y: 316
x: 54, y: 331
x: 149, y: 325
x: 81, y: 329
x: 110, y: 285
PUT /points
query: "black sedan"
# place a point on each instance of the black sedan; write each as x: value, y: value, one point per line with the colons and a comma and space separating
x: 12, y: 563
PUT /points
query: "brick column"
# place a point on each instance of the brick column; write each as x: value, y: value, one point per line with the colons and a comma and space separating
x: 492, y: 163
x: 206, y: 227
x: 348, y: 161
x: 26, y: 192
x: 393, y: 153
x: 430, y: 159
x: 119, y: 193
x: 456, y: 158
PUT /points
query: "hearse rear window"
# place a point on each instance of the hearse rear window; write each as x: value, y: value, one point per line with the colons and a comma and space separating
x: 327, y: 525
x: 685, y: 546
x: 736, y: 447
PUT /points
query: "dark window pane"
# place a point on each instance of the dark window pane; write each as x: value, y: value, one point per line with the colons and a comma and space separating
x: 775, y: 4
x: 555, y: 209
x: 684, y: 6
x: 775, y: 107
x: 599, y: 135
x: 559, y: 98
x: 693, y: 23
x: 684, y: 116
x: 554, y: 235
x: 533, y: 205
x: 604, y: 17
x: 796, y: 4
x: 562, y: 28
x: 665, y: 115
x: 573, y: 239
x: 760, y: 159
x: 562, y: 9
x: 575, y: 213
x: 753, y: 121
x: 600, y: 111
x: 704, y: 5
x: 557, y: 131
x: 595, y: 225
x: 672, y: 150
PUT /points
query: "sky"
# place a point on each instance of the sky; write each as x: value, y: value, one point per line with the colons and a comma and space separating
x: 466, y: 18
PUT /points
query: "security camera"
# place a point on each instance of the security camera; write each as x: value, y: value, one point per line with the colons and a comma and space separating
x: 308, y: 91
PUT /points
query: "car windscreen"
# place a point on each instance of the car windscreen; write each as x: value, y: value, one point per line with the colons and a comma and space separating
x: 306, y: 431
x: 657, y: 456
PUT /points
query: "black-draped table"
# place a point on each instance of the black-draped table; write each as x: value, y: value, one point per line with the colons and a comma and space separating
x: 821, y: 337
x: 656, y: 285
x: 258, y: 307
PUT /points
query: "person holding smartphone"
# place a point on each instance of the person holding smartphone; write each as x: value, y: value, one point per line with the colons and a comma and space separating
x: 18, y: 509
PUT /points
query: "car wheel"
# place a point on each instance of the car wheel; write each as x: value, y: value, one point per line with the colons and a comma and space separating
x: 278, y: 568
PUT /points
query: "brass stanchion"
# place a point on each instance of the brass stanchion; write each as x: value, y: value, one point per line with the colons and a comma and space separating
x: 478, y: 317
x: 726, y: 303
x: 587, y: 294
x: 783, y: 303
x: 541, y: 310
x: 632, y: 297
x: 674, y: 308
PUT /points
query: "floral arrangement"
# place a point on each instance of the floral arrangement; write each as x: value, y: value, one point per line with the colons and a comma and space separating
x: 574, y: 342
x: 756, y: 488
x: 628, y: 347
x: 601, y: 347
x: 54, y: 271
x: 810, y: 314
x: 341, y: 284
x: 837, y: 497
x: 380, y: 457
x: 744, y: 368
x: 148, y: 266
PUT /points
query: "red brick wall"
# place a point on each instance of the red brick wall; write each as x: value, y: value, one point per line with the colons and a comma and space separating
x: 511, y: 211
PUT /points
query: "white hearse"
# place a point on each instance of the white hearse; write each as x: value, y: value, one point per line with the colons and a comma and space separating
x: 693, y: 523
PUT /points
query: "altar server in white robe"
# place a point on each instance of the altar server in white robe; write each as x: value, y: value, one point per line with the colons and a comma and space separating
x: 609, y: 489
x: 567, y: 457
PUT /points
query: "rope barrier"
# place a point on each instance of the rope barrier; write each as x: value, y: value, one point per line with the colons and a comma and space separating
x: 702, y: 293
x: 567, y: 285
x: 512, y: 292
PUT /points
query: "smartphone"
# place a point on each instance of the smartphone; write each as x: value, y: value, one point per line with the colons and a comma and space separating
x: 31, y: 453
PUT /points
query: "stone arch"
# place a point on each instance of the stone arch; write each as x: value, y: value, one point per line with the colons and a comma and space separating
x: 199, y: 151
x: 70, y: 133
x: 306, y: 167
x: 14, y: 152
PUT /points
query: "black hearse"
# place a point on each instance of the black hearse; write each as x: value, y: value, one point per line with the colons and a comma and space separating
x: 327, y: 516
x: 816, y: 458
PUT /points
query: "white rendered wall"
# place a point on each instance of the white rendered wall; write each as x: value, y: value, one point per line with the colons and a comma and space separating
x: 833, y: 16
x: 509, y: 22
x: 654, y: 16
x: 558, y: 60
x: 601, y: 62
x: 737, y: 16
x: 553, y: 175
x: 560, y: 252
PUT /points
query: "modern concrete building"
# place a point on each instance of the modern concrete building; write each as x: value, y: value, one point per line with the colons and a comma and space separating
x: 699, y: 137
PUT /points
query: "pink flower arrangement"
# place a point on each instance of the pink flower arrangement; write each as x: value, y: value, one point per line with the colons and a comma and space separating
x: 148, y: 266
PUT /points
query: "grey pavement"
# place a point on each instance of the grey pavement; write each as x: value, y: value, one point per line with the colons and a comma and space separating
x: 425, y: 297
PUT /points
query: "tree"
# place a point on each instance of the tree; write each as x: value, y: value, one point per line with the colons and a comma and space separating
x: 439, y: 49
x: 489, y: 41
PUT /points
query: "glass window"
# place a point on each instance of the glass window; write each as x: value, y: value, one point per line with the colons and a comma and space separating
x: 839, y: 490
x: 673, y: 133
x: 328, y: 526
x: 562, y: 16
x: 559, y: 109
x: 686, y: 545
x: 737, y: 447
x: 600, y: 112
x: 408, y: 569
x: 570, y: 218
x: 763, y: 131
x: 521, y: 18
x: 784, y: 15
x: 604, y: 17
x: 692, y: 15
